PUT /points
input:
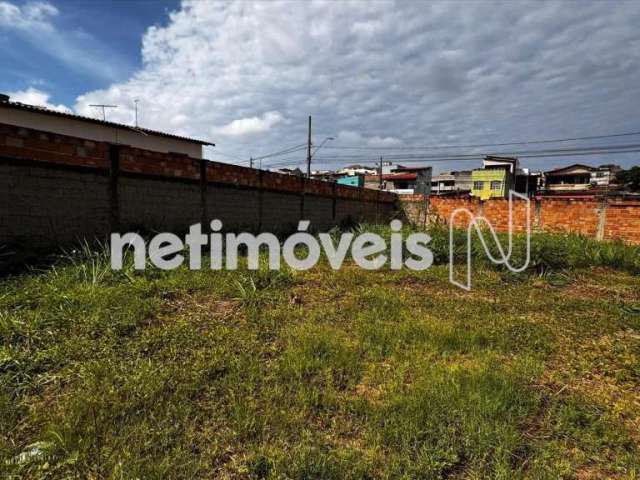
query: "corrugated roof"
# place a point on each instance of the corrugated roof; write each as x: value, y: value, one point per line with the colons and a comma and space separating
x: 46, y: 111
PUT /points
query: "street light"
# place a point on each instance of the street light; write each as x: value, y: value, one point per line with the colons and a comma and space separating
x: 311, y: 155
x: 321, y: 144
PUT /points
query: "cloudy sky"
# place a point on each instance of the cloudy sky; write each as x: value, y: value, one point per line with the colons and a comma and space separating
x: 382, y: 75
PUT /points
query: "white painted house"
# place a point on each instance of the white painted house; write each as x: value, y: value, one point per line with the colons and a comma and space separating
x: 40, y: 118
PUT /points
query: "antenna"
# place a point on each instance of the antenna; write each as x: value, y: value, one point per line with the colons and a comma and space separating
x: 104, y: 107
x: 136, y: 104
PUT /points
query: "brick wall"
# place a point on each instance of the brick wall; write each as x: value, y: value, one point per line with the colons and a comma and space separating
x: 56, y: 189
x: 622, y: 220
x: 606, y: 219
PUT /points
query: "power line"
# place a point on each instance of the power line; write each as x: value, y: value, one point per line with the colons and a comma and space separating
x: 517, y: 153
x: 529, y: 142
x: 295, y: 148
x: 366, y: 158
x: 497, y: 154
x: 218, y: 152
x: 533, y: 154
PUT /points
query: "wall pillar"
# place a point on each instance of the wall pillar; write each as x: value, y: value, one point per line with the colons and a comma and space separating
x: 114, y: 173
x: 302, y: 185
x: 602, y: 218
x: 260, y: 198
x: 537, y: 215
x: 204, y: 217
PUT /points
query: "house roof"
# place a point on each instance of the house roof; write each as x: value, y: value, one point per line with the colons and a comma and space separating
x: 401, y: 169
x: 399, y: 176
x: 47, y: 111
x: 566, y: 170
x: 501, y: 159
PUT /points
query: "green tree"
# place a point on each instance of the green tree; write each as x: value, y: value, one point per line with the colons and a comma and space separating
x: 630, y: 178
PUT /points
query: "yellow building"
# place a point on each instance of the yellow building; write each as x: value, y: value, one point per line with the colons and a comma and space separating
x: 489, y: 183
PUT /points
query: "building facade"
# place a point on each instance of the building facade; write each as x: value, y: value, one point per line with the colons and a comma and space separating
x: 451, y: 182
x: 490, y: 183
x: 46, y: 120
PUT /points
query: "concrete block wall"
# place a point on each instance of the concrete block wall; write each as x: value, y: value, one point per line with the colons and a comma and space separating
x: 57, y: 189
x: 41, y: 205
x: 599, y: 218
x: 157, y: 204
x: 236, y: 208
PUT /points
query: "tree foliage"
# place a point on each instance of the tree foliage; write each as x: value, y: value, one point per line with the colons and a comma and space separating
x: 630, y: 178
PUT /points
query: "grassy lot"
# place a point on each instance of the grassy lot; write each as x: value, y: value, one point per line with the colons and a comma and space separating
x: 320, y: 374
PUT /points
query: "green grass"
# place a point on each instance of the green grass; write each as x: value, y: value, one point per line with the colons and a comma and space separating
x: 324, y: 374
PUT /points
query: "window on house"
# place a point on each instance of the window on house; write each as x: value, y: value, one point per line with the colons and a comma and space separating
x: 496, y: 185
x: 478, y: 185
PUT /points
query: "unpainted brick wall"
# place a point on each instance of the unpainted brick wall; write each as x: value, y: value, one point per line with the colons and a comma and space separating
x: 606, y: 219
x: 56, y: 189
x: 623, y: 221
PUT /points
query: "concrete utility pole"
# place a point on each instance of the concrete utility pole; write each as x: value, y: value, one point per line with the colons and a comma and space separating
x: 380, y: 174
x: 309, y: 150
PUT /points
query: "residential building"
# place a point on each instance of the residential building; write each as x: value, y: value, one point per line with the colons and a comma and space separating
x: 409, y: 181
x: 497, y: 176
x: 353, y: 180
x: 604, y: 175
x: 451, y: 182
x: 389, y: 167
x: 357, y: 170
x: 291, y: 171
x: 490, y: 183
x: 325, y: 175
x: 580, y: 178
x: 372, y: 181
x: 574, y: 177
x: 64, y: 123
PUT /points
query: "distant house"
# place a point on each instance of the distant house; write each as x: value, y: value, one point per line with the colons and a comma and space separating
x: 63, y: 123
x: 499, y: 175
x: 495, y: 178
x: 604, y: 175
x: 325, y: 175
x: 580, y: 178
x: 408, y: 180
x: 574, y: 177
x: 451, y: 182
x: 351, y: 170
x: 291, y: 171
x: 353, y: 180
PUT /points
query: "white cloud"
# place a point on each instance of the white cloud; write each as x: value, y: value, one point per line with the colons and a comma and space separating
x: 385, y: 73
x: 35, y: 22
x: 251, y: 125
x: 33, y: 96
x: 31, y: 15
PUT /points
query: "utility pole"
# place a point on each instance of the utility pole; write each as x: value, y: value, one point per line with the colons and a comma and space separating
x: 136, y: 104
x: 380, y: 174
x: 250, y: 162
x: 309, y: 150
